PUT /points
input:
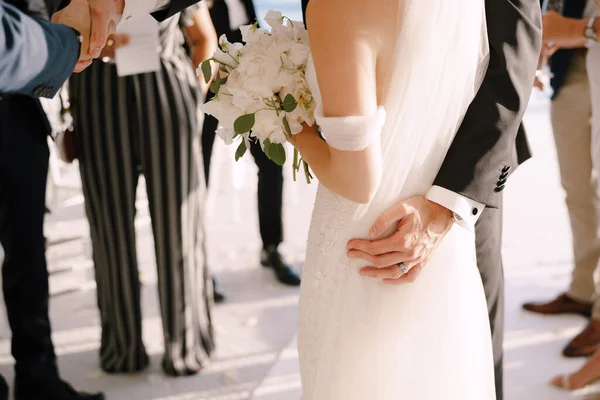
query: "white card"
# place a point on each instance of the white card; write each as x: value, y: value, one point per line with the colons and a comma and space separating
x: 141, y: 55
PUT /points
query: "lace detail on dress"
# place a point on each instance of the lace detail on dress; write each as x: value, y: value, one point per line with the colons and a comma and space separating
x: 326, y: 266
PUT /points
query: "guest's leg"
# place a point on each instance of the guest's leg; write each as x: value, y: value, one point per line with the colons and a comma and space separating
x: 270, y: 204
x: 570, y: 115
x: 270, y: 197
x: 23, y: 171
x: 3, y: 387
x: 209, y: 128
x: 488, y: 236
x: 172, y: 163
x: 109, y: 174
x: 571, y: 112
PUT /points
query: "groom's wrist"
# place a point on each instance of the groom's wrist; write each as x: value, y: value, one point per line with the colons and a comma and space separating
x: 465, y: 211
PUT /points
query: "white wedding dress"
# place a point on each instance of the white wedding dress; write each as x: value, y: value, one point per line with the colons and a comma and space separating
x: 359, y: 339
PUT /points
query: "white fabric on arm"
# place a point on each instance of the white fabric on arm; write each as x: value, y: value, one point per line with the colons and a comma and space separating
x: 353, y: 133
x: 466, y: 209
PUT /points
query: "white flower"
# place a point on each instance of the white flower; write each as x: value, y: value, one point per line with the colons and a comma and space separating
x: 274, y: 19
x: 270, y: 66
x: 266, y: 122
x: 224, y: 59
x: 226, y: 134
x: 253, y: 34
x: 259, y: 73
x: 277, y: 136
x: 222, y: 109
x: 228, y: 54
x: 298, y: 54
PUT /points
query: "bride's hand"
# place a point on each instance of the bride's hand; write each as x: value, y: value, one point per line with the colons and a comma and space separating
x: 398, y: 258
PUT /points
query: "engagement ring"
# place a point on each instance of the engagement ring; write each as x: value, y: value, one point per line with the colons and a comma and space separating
x: 403, y: 268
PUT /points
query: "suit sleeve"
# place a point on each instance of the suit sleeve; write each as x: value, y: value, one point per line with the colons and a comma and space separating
x: 484, y: 147
x: 173, y: 8
x: 36, y: 57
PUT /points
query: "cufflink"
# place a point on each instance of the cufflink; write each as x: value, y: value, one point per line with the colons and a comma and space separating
x: 456, y: 218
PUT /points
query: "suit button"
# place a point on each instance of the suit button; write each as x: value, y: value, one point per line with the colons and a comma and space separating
x: 475, y: 211
x: 506, y: 169
x: 501, y: 182
x: 499, y: 189
x: 503, y: 175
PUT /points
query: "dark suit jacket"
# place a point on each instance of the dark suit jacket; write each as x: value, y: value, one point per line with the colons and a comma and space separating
x: 36, y: 56
x: 491, y: 141
x: 219, y: 14
x: 174, y: 7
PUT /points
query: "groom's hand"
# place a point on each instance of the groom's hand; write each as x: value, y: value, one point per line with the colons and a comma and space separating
x: 77, y: 16
x: 105, y: 16
x: 421, y: 225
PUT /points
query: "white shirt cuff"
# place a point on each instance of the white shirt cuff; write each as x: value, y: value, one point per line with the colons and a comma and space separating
x: 137, y: 8
x: 466, y: 210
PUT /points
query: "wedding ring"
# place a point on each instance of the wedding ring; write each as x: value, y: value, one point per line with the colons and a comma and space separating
x: 403, y: 268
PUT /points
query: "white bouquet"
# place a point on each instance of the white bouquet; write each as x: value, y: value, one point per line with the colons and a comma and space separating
x: 262, y: 93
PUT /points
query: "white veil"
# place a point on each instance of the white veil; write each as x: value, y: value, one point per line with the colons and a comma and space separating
x: 442, y: 55
x: 426, y: 103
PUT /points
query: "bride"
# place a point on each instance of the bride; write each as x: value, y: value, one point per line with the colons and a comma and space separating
x: 392, y: 80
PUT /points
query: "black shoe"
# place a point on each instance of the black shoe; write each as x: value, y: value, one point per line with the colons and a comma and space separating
x: 217, y: 296
x: 270, y: 258
x: 55, y: 390
x: 3, y: 388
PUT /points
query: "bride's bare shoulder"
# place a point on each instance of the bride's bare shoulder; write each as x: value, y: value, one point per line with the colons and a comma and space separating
x: 347, y: 18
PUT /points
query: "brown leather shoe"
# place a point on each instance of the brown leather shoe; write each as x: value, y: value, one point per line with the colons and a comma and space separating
x: 586, y: 343
x: 563, y: 304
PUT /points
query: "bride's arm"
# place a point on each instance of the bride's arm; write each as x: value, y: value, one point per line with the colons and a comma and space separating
x: 345, y: 64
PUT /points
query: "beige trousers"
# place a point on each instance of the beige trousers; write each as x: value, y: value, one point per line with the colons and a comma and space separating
x: 570, y: 114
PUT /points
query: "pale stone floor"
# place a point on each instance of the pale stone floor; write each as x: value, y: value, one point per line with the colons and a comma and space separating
x: 255, y: 328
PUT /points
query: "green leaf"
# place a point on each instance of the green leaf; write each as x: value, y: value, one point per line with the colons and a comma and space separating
x: 289, y: 103
x: 206, y: 70
x: 215, y: 86
x: 241, y: 150
x: 244, y: 124
x: 277, y: 153
x: 267, y: 147
x: 286, y: 125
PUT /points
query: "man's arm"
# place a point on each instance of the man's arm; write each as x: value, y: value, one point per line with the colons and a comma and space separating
x: 36, y: 57
x: 481, y: 156
x: 484, y: 147
x: 169, y: 8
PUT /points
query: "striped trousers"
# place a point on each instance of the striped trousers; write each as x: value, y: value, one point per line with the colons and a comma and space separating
x: 150, y: 124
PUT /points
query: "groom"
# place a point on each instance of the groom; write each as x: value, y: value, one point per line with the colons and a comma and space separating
x: 489, y: 146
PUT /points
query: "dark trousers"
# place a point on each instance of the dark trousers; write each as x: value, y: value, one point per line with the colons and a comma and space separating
x: 23, y: 172
x: 270, y: 185
x: 488, y: 236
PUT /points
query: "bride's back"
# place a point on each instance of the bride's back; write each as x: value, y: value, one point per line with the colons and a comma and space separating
x: 427, y: 59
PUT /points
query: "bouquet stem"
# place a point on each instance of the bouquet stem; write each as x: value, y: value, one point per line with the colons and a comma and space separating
x: 295, y: 164
x: 307, y: 172
x: 296, y: 167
